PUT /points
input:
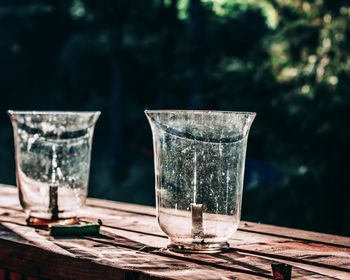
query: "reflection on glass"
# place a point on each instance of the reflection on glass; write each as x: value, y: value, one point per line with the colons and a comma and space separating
x: 52, y: 152
x: 199, y: 166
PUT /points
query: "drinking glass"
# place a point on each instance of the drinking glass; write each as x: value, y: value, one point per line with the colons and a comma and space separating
x: 199, y: 159
x: 52, y: 151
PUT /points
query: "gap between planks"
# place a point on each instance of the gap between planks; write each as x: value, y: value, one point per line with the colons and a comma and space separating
x: 116, y: 207
x: 301, y: 235
x: 277, y: 231
x: 189, y: 257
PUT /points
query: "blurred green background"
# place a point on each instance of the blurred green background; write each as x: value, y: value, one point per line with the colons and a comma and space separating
x: 287, y: 60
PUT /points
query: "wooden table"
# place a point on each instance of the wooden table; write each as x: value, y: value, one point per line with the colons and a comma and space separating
x: 130, y: 247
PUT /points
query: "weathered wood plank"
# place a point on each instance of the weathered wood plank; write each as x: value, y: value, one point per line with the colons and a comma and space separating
x: 244, y: 225
x: 229, y: 261
x: 155, y: 262
x: 99, y: 259
x: 34, y: 261
x: 145, y: 226
x: 132, y: 228
x: 33, y: 237
x: 312, y: 253
x: 297, y: 234
x: 126, y: 248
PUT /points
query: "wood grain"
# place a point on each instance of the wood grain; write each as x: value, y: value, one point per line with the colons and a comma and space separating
x: 131, y: 244
x: 244, y: 225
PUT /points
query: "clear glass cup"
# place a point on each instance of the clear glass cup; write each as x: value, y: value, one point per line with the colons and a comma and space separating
x: 52, y: 151
x: 199, y: 159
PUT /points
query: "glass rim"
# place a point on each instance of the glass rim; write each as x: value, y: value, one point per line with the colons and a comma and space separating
x: 201, y: 112
x: 34, y: 112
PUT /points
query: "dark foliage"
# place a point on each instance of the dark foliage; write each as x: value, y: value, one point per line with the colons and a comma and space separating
x: 286, y: 60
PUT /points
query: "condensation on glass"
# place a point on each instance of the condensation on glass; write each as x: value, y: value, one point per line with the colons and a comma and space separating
x: 52, y: 151
x: 199, y: 159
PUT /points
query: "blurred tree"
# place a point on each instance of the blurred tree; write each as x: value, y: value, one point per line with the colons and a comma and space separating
x: 196, y: 36
x: 286, y: 60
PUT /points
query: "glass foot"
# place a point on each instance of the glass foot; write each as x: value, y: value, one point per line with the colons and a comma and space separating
x: 199, y: 248
x: 38, y: 222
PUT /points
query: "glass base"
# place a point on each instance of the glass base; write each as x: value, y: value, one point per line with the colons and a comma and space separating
x: 198, y: 248
x: 38, y: 222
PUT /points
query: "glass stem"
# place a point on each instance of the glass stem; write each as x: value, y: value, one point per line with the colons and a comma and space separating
x: 197, y: 221
x: 53, y: 203
x: 53, y: 191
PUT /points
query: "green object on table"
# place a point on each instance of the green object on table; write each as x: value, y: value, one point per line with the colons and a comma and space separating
x: 75, y: 230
